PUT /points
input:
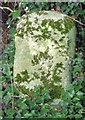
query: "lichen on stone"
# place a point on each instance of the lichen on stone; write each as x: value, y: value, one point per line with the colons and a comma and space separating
x: 45, y: 45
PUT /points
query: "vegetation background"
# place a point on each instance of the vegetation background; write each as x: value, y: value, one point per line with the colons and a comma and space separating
x: 39, y: 105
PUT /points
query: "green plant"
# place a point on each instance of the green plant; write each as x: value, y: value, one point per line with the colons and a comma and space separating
x: 74, y: 95
x: 7, y: 76
x: 40, y: 104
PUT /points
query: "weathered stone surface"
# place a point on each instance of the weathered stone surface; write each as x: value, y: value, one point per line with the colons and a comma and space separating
x: 45, y: 45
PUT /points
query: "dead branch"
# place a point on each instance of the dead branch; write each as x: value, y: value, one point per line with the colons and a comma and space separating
x: 7, y: 8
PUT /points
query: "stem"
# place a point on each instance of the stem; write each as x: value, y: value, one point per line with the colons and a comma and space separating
x: 77, y: 21
x: 12, y: 95
x: 6, y: 8
x: 15, y: 96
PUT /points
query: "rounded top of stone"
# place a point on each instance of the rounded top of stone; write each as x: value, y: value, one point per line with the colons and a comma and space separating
x: 40, y: 19
x: 55, y: 15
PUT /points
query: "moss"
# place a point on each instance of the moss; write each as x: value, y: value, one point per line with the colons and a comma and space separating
x: 22, y: 77
x: 56, y: 91
x: 55, y: 25
x: 20, y: 35
x: 50, y: 85
x: 41, y: 13
x: 51, y: 23
x: 46, y: 53
x: 23, y: 31
x: 35, y: 60
x: 35, y: 74
x: 25, y: 91
x: 44, y: 22
x: 58, y: 25
x: 68, y: 24
x: 36, y: 20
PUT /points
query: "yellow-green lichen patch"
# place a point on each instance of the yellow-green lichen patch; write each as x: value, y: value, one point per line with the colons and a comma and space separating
x: 44, y: 52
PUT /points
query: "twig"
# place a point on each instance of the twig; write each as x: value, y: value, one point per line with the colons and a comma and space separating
x: 77, y: 21
x: 72, y: 18
x: 12, y: 95
x: 6, y: 8
x: 15, y: 96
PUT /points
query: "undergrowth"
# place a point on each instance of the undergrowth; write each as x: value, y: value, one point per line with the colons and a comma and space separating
x: 40, y: 105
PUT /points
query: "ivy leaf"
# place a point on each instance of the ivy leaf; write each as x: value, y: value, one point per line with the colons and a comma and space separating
x: 7, y: 97
x: 40, y: 100
x: 8, y: 21
x: 10, y: 112
x: 12, y: 32
x: 80, y: 94
x: 16, y: 14
x: 44, y: 110
x: 23, y: 106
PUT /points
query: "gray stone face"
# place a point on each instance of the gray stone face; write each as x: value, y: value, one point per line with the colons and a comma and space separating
x: 45, y: 46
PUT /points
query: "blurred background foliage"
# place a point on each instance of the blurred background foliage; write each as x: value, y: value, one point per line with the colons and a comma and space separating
x: 39, y: 105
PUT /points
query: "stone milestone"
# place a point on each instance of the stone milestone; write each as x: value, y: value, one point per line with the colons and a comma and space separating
x: 44, y: 49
